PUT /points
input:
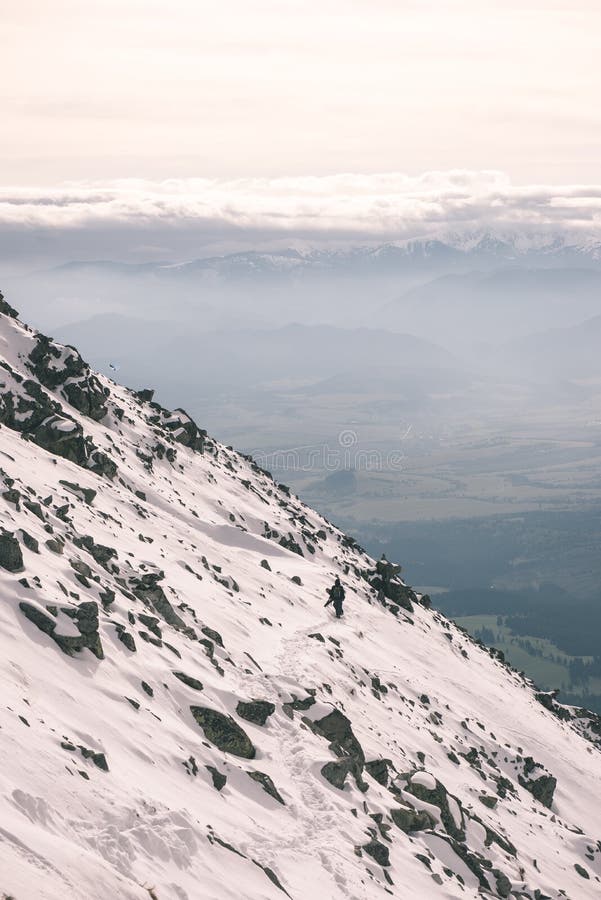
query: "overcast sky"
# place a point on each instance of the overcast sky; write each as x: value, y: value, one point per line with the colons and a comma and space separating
x: 103, y: 89
x: 154, y: 129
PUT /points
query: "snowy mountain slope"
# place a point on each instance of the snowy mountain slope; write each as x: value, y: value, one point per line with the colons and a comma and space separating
x: 182, y: 718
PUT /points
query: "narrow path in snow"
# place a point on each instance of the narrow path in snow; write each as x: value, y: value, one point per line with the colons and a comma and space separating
x: 316, y: 817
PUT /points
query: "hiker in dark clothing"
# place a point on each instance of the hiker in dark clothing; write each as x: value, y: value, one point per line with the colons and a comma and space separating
x: 337, y: 595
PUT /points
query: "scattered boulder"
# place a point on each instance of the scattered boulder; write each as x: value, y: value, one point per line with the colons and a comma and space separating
x: 147, y: 589
x: 298, y: 705
x: 81, y: 567
x: 188, y: 680
x: 126, y: 638
x: 267, y: 785
x: 224, y: 732
x: 152, y: 623
x: 378, y: 852
x: 11, y: 556
x: 85, y: 617
x: 190, y: 766
x: 212, y: 635
x: 438, y: 796
x: 99, y: 552
x: 99, y: 760
x: 336, y: 728
x: 502, y: 882
x: 12, y: 496
x: 54, y: 545
x: 102, y: 464
x: 219, y: 780
x: 409, y: 819
x: 86, y: 494
x: 379, y: 770
x: 184, y: 430
x: 290, y: 543
x: 336, y: 771
x: 385, y: 579
x: 87, y: 396
x: 542, y: 787
x: 41, y: 619
x: 62, y: 437
x: 255, y: 711
x: 25, y: 412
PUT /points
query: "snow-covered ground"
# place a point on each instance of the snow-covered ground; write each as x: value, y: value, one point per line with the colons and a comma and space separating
x: 395, y: 753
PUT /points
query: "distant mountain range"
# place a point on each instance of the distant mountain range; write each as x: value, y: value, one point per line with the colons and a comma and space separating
x: 572, y: 352
x: 456, y: 293
x: 249, y: 357
x: 458, y: 252
x: 498, y: 304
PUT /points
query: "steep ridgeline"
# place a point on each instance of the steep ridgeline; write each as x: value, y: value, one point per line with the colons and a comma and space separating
x: 182, y: 718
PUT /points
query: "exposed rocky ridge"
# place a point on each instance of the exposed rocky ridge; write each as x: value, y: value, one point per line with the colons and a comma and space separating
x: 181, y: 713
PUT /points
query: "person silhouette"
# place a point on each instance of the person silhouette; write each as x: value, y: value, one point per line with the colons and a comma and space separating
x: 337, y: 595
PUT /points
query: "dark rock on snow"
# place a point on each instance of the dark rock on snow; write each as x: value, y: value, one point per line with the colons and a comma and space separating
x: 267, y: 785
x: 11, y: 556
x: 256, y: 711
x: 224, y: 732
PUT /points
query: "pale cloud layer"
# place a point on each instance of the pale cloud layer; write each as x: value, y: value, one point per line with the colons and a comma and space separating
x: 124, y: 88
x: 175, y: 219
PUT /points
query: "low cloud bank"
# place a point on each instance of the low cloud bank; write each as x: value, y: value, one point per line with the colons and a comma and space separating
x: 173, y: 219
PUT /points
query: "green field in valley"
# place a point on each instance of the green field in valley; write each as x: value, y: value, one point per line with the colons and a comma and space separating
x: 539, y: 658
